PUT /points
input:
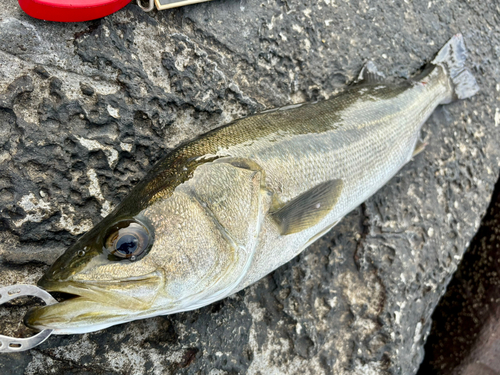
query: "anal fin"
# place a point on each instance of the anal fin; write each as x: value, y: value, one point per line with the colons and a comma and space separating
x: 309, y: 208
x: 419, y: 147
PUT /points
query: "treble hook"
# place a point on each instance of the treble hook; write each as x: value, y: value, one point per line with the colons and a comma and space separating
x: 12, y: 344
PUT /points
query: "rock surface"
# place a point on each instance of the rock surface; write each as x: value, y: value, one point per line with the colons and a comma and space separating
x: 465, y: 334
x: 87, y: 108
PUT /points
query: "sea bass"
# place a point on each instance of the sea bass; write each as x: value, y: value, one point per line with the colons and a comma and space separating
x: 220, y: 212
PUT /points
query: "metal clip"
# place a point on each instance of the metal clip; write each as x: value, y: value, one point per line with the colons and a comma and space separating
x: 13, y: 344
x: 150, y: 6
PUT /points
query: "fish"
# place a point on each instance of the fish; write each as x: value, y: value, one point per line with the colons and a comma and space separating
x: 220, y: 212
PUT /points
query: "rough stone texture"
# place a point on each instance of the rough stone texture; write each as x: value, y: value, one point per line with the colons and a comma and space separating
x: 465, y: 335
x: 85, y: 109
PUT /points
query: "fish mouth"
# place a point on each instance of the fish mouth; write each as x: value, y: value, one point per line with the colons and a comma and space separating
x: 91, y: 306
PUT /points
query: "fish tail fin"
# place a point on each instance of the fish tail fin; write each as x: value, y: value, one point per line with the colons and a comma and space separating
x: 452, y: 58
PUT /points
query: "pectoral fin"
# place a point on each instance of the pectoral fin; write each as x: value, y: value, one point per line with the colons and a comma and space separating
x: 309, y: 208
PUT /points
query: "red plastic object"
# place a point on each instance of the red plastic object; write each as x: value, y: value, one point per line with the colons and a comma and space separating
x: 71, y: 10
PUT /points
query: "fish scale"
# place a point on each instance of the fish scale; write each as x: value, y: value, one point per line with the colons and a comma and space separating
x: 367, y: 144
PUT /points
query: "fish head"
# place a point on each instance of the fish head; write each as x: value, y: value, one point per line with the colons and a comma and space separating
x: 105, y: 278
x: 179, y: 252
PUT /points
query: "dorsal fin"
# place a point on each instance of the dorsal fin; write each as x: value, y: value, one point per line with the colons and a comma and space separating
x: 309, y: 208
x: 370, y: 74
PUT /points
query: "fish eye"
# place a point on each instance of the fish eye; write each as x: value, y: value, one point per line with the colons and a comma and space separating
x: 127, y: 244
x: 127, y: 240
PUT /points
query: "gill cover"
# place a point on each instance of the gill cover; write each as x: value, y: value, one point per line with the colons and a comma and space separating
x: 220, y: 210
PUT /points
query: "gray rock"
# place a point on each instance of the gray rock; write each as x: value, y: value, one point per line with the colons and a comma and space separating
x: 87, y: 108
